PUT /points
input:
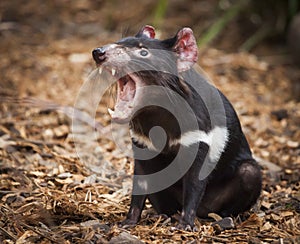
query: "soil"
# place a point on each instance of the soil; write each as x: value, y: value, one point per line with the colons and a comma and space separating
x: 57, y: 188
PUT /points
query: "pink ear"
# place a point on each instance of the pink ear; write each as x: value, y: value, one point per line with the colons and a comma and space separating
x: 186, y: 48
x: 147, y: 31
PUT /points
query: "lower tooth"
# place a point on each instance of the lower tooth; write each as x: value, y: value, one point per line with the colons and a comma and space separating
x: 100, y: 70
x: 111, y: 112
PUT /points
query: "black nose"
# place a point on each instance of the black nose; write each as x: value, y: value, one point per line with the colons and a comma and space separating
x: 99, y: 55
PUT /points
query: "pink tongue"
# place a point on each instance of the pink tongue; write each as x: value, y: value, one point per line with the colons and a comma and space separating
x: 128, y: 91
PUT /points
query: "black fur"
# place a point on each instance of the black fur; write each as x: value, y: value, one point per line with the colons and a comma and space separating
x: 232, y: 187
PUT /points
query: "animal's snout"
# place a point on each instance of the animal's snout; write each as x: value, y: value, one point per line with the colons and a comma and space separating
x: 99, y: 55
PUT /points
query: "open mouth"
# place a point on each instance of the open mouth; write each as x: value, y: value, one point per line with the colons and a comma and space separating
x: 126, y: 96
x: 126, y: 89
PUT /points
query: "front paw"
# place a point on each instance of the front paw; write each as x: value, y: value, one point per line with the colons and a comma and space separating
x: 127, y: 223
x: 186, y: 227
x: 184, y: 223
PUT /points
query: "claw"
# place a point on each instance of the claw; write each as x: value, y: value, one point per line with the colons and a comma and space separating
x: 186, y: 227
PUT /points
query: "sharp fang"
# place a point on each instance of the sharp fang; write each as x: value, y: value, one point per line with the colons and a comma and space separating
x: 111, y: 112
x: 113, y: 71
x: 100, y: 70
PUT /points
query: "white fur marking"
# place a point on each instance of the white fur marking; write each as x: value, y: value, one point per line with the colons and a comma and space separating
x: 142, y: 140
x: 219, y: 138
x: 191, y: 137
x: 216, y: 139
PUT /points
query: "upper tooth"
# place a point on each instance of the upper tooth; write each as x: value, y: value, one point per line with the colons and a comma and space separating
x: 111, y: 112
x: 100, y: 70
x: 113, y: 71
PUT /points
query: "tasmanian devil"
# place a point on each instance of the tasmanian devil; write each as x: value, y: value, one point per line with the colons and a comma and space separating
x: 190, y: 154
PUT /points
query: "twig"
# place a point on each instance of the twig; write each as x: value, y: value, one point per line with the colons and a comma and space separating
x: 156, y: 224
x: 271, y: 166
x: 160, y: 12
x: 216, y: 238
x: 293, y: 7
x: 46, y: 235
x: 8, y: 234
x: 261, y: 34
x: 219, y: 25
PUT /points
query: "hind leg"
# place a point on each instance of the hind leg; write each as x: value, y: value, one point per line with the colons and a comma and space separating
x: 167, y: 201
x: 246, y: 189
x: 235, y: 195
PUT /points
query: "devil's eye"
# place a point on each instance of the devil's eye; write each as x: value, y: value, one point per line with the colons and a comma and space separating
x: 144, y: 53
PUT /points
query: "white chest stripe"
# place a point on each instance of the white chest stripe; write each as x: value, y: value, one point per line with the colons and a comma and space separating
x: 142, y: 140
x: 219, y: 137
x: 216, y: 139
x: 191, y: 137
